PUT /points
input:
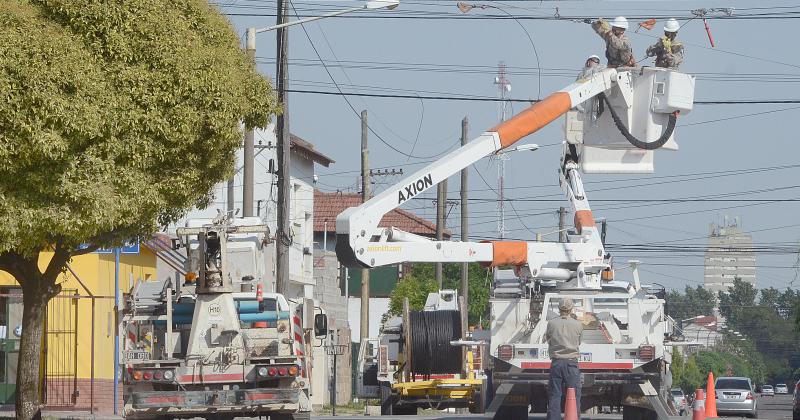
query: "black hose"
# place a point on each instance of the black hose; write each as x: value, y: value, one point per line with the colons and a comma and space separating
x: 653, y: 145
x: 431, y: 334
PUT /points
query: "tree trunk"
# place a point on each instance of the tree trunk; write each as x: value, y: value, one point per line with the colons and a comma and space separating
x: 35, y: 300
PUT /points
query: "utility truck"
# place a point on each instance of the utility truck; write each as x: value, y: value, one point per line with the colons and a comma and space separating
x: 615, y: 119
x: 215, y: 345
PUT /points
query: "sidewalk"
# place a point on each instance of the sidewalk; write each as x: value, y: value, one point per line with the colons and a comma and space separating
x: 49, y: 414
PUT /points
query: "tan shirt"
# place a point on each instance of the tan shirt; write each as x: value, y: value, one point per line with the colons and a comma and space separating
x: 564, y: 336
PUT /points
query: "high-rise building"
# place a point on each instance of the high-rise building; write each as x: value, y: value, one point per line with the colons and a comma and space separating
x: 729, y: 256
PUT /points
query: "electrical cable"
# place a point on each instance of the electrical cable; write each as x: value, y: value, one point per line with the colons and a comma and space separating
x: 633, y: 140
x: 430, y: 335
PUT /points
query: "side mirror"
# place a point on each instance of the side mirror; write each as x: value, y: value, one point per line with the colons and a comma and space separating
x: 320, y: 325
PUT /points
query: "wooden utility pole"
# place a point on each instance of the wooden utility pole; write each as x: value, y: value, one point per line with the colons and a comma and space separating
x: 464, y: 218
x: 283, y: 142
x: 365, y: 193
x: 562, y: 223
x: 441, y: 208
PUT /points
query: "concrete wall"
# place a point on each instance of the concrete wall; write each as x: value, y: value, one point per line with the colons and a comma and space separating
x: 377, y: 307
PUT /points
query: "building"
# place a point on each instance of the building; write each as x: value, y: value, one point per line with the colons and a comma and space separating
x: 78, y: 347
x: 729, y: 256
x: 706, y: 331
x: 382, y: 280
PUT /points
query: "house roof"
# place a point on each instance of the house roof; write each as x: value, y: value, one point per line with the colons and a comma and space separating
x: 328, y: 205
x: 707, y: 322
x: 306, y: 149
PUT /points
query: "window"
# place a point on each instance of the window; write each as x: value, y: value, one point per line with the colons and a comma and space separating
x: 728, y: 383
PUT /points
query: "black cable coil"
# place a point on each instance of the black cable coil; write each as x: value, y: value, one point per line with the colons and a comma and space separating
x: 431, y: 334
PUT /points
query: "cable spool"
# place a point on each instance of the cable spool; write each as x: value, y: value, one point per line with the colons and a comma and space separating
x: 430, y: 335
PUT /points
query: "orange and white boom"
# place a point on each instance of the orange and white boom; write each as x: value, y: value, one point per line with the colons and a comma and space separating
x: 360, y: 243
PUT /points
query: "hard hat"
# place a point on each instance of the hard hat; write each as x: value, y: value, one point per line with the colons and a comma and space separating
x: 672, y: 25
x: 566, y: 305
x: 594, y: 56
x: 620, y: 22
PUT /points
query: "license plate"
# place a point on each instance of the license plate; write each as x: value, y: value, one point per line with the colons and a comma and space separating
x: 585, y: 357
x: 731, y: 397
x: 137, y: 355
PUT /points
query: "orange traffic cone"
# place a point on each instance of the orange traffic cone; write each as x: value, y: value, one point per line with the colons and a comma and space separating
x: 571, y: 406
x: 699, y: 409
x: 711, y: 399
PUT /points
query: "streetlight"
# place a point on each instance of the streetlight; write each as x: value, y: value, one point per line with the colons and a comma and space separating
x: 282, y: 136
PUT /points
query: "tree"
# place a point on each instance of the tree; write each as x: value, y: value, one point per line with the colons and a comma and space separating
x: 116, y: 118
x: 414, y: 287
x: 677, y: 367
x: 693, y: 302
x: 479, y: 285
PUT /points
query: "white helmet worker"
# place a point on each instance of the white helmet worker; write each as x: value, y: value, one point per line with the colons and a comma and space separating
x: 593, y: 57
x: 672, y: 25
x: 620, y: 22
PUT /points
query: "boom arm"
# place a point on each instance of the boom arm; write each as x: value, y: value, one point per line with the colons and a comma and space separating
x: 360, y: 243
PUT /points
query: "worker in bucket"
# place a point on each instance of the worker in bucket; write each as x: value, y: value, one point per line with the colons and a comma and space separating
x: 591, y: 67
x: 668, y: 51
x: 618, y: 48
x: 563, y: 337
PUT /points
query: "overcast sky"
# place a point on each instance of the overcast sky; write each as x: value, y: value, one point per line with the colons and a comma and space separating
x: 427, y: 48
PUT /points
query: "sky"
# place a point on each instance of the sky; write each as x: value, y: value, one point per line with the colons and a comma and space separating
x: 743, y: 156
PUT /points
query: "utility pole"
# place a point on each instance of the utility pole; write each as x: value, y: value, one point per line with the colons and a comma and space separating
x: 562, y: 222
x: 441, y: 208
x: 504, y: 87
x: 231, y: 192
x: 365, y: 192
x: 249, y: 144
x: 464, y: 217
x: 282, y: 139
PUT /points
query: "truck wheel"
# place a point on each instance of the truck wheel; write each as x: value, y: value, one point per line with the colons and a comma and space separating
x: 387, y: 400
x: 515, y: 412
x: 478, y: 405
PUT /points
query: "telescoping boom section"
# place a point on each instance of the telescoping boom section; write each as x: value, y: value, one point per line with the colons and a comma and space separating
x: 629, y: 95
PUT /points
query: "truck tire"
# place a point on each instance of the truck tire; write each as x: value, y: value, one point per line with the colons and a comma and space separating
x: 630, y: 412
x: 285, y: 416
x: 387, y: 400
x: 514, y: 412
x: 478, y: 405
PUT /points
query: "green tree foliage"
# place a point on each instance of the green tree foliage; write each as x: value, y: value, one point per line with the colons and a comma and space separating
x: 479, y: 285
x: 693, y: 302
x: 413, y: 287
x: 677, y: 367
x: 692, y: 377
x: 116, y: 118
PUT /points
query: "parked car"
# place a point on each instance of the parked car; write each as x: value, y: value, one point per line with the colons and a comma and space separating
x: 735, y: 396
x: 781, y: 389
x: 767, y: 390
x: 679, y: 400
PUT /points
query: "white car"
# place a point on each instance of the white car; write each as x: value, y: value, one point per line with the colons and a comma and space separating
x: 781, y: 389
x: 679, y: 400
x: 767, y: 390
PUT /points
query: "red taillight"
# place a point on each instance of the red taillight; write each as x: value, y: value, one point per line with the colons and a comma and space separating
x: 505, y: 352
x: 147, y: 376
x: 157, y: 375
x: 749, y: 396
x: 647, y: 352
x: 282, y: 371
x: 272, y: 371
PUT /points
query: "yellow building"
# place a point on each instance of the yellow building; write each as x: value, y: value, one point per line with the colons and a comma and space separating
x: 78, y: 348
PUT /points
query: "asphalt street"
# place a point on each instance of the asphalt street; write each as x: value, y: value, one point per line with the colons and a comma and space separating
x: 770, y: 408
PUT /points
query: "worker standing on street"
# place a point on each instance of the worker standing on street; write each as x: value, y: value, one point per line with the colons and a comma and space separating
x: 667, y: 51
x: 618, y: 49
x: 563, y: 337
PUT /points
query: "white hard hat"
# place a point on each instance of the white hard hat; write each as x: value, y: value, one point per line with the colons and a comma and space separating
x: 593, y: 57
x: 672, y: 25
x: 620, y: 22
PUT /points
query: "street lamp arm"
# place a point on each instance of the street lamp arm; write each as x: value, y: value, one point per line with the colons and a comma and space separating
x: 310, y: 19
x: 370, y: 5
